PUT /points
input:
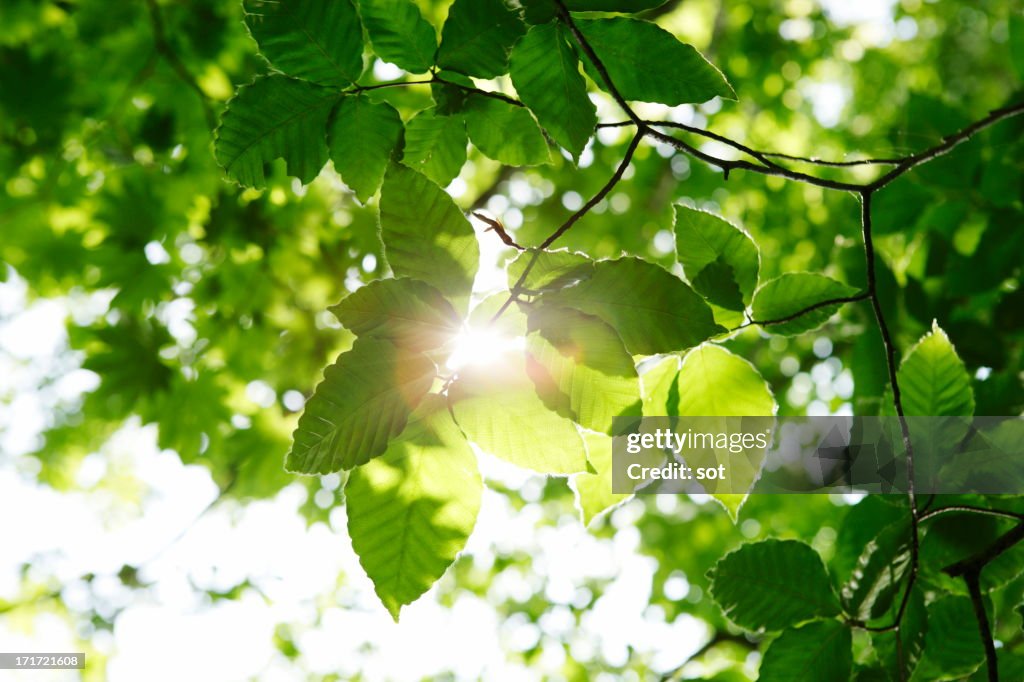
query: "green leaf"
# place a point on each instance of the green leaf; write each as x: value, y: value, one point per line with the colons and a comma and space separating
x: 773, y: 584
x: 703, y: 242
x: 713, y: 382
x: 816, y: 652
x: 912, y: 631
x: 361, y: 137
x: 477, y: 37
x: 651, y: 309
x: 593, y: 492
x: 426, y: 236
x: 505, y: 132
x: 497, y: 408
x: 546, y: 74
x: 552, y: 270
x: 952, y: 647
x: 399, y: 33
x: 365, y: 399
x: 411, y: 510
x: 435, y: 145
x: 933, y: 380
x: 274, y: 117
x: 1016, y: 43
x: 309, y: 39
x: 787, y: 295
x: 543, y: 11
x: 647, y: 63
x: 862, y: 522
x: 660, y: 389
x: 877, y: 577
x: 407, y: 312
x: 580, y: 368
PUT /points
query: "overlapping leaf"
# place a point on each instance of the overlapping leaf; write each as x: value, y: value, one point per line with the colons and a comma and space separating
x: 773, y: 584
x: 426, y: 236
x: 399, y: 33
x: 477, y: 37
x: 580, y: 367
x: 411, y: 510
x: 786, y: 296
x: 361, y: 138
x: 651, y: 309
x: 647, y: 63
x: 505, y: 132
x: 816, y: 652
x: 407, y: 312
x: 314, y: 40
x: 720, y: 260
x: 549, y: 270
x: 545, y: 71
x: 274, y: 117
x: 365, y: 399
x: 435, y: 145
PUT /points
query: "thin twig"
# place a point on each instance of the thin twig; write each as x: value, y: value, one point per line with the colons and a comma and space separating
x: 973, y: 580
x: 811, y: 308
x: 970, y: 509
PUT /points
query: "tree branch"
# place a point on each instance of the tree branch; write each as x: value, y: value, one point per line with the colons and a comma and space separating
x: 164, y: 48
x: 973, y: 581
x: 970, y: 509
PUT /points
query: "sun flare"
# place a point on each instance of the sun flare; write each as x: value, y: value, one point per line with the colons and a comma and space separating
x: 481, y: 347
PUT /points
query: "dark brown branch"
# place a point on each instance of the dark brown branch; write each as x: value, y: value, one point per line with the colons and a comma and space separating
x: 987, y: 555
x: 948, y: 143
x: 811, y: 308
x: 517, y: 288
x: 973, y: 580
x: 499, y: 229
x: 164, y: 48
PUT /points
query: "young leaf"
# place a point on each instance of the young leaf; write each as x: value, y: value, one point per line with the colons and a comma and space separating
x: 365, y: 399
x: 426, y: 236
x: 399, y: 33
x: 361, y: 137
x: 314, y: 40
x: 933, y: 379
x: 703, y: 242
x: 274, y: 117
x: 773, y: 584
x: 409, y: 313
x: 787, y: 295
x: 713, y: 382
x: 651, y: 309
x: 435, y: 145
x: 551, y: 270
x: 816, y: 652
x: 647, y: 63
x: 497, y: 408
x: 505, y: 132
x: 477, y: 37
x: 411, y: 510
x: 546, y: 74
x: 580, y: 368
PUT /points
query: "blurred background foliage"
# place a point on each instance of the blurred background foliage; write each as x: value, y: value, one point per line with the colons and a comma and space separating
x: 200, y: 308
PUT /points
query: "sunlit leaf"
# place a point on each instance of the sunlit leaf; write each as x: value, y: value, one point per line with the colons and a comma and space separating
x: 546, y: 73
x: 704, y: 241
x: 580, y: 368
x: 425, y: 235
x: 407, y: 312
x: 789, y: 294
x: 411, y: 510
x: 505, y: 132
x: 365, y: 399
x: 933, y: 379
x: 652, y: 310
x: 435, y: 145
x: 649, y: 64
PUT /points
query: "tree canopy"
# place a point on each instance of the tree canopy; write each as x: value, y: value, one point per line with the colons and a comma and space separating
x: 373, y: 251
